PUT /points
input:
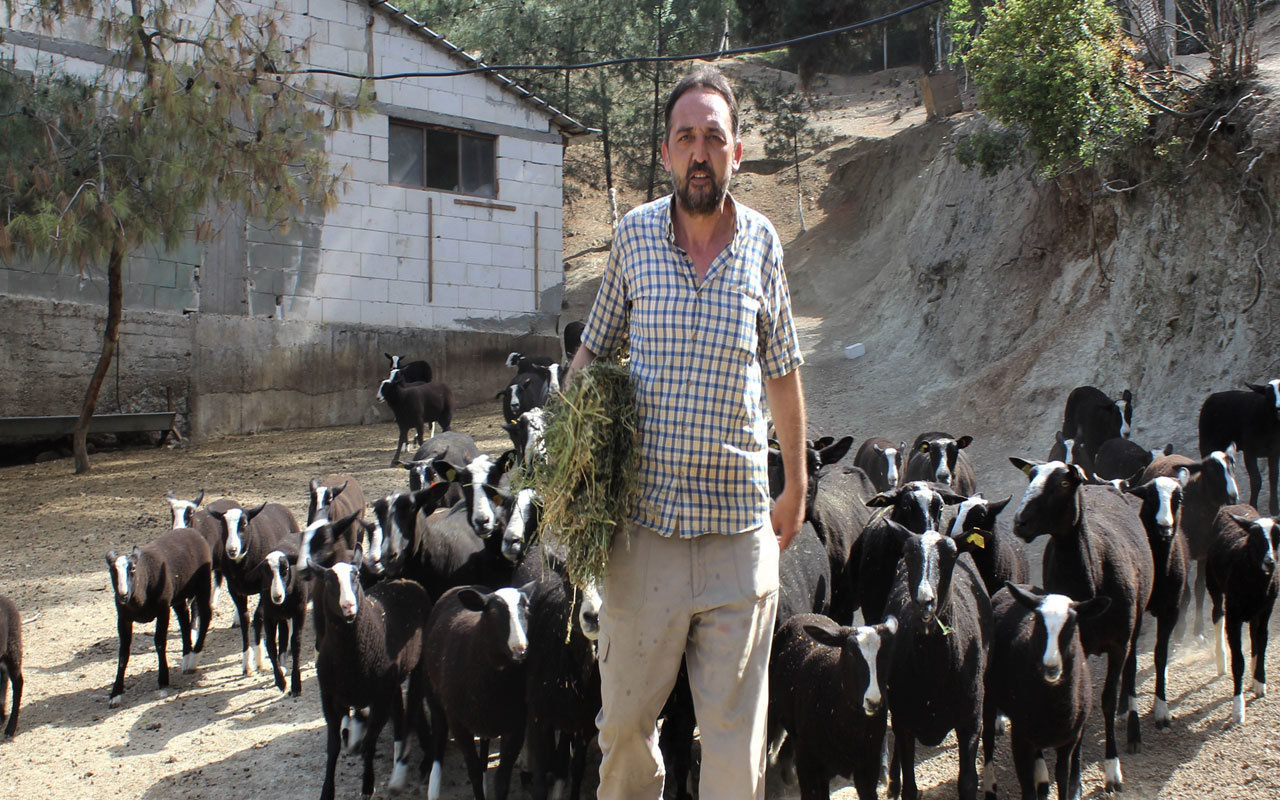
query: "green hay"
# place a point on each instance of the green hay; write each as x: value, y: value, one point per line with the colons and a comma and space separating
x: 588, y: 484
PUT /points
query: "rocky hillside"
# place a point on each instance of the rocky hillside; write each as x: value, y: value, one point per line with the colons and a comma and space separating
x: 982, y: 301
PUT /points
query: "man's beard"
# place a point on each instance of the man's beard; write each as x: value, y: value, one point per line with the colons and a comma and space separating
x: 701, y: 202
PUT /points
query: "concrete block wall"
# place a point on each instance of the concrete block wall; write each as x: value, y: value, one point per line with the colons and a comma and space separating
x: 235, y: 375
x: 154, y: 280
x: 369, y: 262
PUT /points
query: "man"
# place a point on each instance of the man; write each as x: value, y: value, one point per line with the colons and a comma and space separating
x: 695, y: 280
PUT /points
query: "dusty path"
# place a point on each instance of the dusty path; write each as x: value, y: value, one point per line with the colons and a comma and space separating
x: 221, y: 735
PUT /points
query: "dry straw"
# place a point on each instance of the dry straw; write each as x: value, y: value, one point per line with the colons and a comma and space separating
x: 588, y: 483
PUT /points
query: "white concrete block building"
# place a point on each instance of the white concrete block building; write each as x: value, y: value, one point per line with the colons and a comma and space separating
x: 445, y: 244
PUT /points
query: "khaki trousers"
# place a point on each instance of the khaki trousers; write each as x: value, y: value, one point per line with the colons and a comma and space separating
x: 712, y: 599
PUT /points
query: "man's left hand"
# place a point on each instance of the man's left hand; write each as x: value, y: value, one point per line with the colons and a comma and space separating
x: 787, y: 516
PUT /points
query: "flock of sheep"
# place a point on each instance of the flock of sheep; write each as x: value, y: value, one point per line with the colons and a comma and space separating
x: 444, y: 614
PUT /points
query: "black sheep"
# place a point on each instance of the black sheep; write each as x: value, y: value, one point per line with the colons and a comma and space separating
x: 248, y: 535
x: 827, y: 691
x: 476, y: 645
x: 1124, y: 458
x: 188, y: 514
x: 993, y: 551
x: 373, y: 643
x: 937, y: 673
x: 334, y: 497
x: 940, y: 457
x: 1161, y: 514
x: 1092, y: 417
x: 170, y: 572
x: 562, y: 674
x: 414, y: 405
x: 1038, y: 675
x: 914, y: 507
x: 882, y: 460
x: 412, y: 371
x: 1208, y: 485
x: 1251, y: 421
x: 1243, y: 583
x: 10, y: 663
x: 283, y: 600
x: 1097, y: 547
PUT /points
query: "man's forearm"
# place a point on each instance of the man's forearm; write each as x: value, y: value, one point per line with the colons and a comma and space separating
x: 786, y: 405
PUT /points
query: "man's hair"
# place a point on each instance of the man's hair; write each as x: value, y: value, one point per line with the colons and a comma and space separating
x: 702, y: 78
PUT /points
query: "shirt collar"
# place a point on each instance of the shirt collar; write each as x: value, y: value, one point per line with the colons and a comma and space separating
x: 739, y: 221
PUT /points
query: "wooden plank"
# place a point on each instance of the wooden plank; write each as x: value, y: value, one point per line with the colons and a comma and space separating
x: 53, y: 426
x: 484, y: 204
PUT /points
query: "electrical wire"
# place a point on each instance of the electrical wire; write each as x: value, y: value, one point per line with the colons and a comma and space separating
x: 738, y: 51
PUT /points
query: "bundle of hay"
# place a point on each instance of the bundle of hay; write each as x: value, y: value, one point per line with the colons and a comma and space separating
x: 588, y: 484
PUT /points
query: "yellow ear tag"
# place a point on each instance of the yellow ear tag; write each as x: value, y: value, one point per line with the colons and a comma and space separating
x: 976, y: 539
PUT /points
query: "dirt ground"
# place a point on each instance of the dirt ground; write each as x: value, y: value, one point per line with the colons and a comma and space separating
x: 218, y: 734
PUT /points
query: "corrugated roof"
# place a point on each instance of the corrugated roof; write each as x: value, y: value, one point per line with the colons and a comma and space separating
x: 567, y: 124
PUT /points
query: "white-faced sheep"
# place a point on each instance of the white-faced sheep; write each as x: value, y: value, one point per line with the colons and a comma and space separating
x: 169, y: 572
x: 334, y: 497
x: 1208, y: 485
x: 414, y: 405
x: 937, y: 673
x: 1161, y: 516
x: 476, y: 645
x: 248, y: 535
x: 1243, y: 583
x: 283, y: 601
x: 1097, y: 547
x: 1251, y: 421
x: 1038, y: 675
x: 940, y: 457
x: 827, y: 688
x: 373, y: 643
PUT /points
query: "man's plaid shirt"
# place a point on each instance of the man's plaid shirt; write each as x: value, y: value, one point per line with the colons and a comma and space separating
x: 698, y: 357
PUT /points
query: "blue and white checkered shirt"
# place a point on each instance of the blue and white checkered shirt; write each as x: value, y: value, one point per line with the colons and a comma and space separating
x: 699, y: 354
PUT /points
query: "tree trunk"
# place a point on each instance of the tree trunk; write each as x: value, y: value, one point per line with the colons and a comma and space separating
x: 795, y: 157
x: 110, y: 338
x: 654, y: 141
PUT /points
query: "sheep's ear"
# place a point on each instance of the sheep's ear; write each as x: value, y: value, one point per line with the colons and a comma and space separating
x: 889, y: 627
x: 343, y: 525
x: 199, y: 498
x: 250, y: 513
x: 428, y: 499
x: 970, y: 541
x: 313, y: 484
x: 824, y: 632
x: 1182, y: 476
x: 1059, y: 438
x: 1260, y: 388
x: 218, y: 515
x: 822, y: 441
x: 1243, y: 522
x: 111, y: 559
x: 951, y: 498
x: 472, y: 600
x: 1025, y: 598
x: 528, y: 589
x: 137, y: 552
x: 1094, y: 607
x: 1024, y: 465
x: 924, y: 447
x: 833, y: 452
x: 964, y: 441
x: 357, y: 556
x: 996, y: 507
x: 883, y: 500
x: 389, y: 357
x: 447, y: 471
x: 505, y: 461
x: 409, y: 465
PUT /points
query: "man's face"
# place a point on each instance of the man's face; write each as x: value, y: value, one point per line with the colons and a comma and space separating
x: 701, y: 152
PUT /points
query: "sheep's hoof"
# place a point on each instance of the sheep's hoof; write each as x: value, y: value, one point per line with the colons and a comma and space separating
x: 1259, y: 689
x: 1114, y: 777
x: 296, y: 691
x: 114, y: 702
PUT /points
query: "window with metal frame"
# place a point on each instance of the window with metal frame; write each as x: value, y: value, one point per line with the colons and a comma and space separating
x: 431, y: 157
